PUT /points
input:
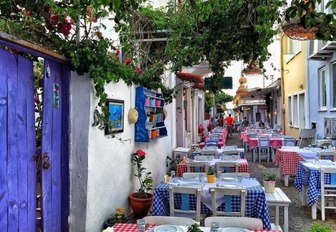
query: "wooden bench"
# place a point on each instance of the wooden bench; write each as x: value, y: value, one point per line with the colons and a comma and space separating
x: 279, y: 199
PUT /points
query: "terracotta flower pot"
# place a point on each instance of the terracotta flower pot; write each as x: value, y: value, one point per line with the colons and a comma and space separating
x: 140, y: 206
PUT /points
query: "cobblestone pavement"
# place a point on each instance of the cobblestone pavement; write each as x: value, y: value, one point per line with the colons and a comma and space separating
x: 299, y: 215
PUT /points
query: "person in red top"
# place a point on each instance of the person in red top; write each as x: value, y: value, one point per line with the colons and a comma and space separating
x: 229, y: 124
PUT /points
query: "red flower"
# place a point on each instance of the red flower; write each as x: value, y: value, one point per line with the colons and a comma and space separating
x: 117, y: 52
x: 127, y: 60
x: 141, y: 153
x: 27, y: 13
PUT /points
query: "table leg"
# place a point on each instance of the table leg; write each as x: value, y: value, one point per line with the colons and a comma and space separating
x: 286, y: 219
x: 303, y: 195
x: 286, y: 180
x: 314, y: 211
x: 277, y: 215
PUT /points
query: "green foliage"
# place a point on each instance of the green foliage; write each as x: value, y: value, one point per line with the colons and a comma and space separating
x: 269, y: 177
x: 171, y: 164
x: 208, y: 102
x: 308, y: 14
x: 194, y: 228
x: 211, y: 171
x: 320, y: 228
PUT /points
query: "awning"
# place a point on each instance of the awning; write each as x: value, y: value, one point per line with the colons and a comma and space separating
x: 191, y: 77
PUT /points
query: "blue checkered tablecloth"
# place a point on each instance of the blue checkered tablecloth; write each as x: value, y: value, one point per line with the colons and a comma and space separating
x: 256, y: 205
x: 306, y: 175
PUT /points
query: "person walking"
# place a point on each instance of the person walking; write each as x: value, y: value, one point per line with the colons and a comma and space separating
x: 229, y: 124
x: 245, y: 123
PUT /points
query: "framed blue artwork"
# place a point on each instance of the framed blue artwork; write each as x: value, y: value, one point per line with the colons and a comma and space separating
x: 116, y: 118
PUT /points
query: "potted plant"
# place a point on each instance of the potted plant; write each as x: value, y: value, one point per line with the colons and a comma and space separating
x: 269, y: 182
x: 171, y: 164
x: 141, y: 201
x: 211, y: 175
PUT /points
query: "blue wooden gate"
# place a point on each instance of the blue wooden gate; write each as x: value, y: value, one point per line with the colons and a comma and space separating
x: 17, y: 146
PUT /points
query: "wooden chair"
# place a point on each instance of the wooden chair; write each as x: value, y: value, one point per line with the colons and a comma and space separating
x: 213, y: 153
x: 289, y: 142
x: 305, y: 137
x: 241, y: 222
x: 327, y: 155
x: 168, y: 220
x: 227, y: 166
x: 235, y: 174
x: 264, y: 145
x: 193, y: 175
x: 184, y: 209
x: 197, y: 167
x: 228, y: 191
x: 328, y: 191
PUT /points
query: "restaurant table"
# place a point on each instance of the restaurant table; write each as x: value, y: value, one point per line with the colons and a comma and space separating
x: 256, y: 205
x: 123, y: 227
x: 243, y: 166
x: 288, y: 160
x: 308, y: 183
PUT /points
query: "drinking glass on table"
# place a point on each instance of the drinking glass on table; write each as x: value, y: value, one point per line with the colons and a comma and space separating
x: 141, y: 225
x: 172, y: 176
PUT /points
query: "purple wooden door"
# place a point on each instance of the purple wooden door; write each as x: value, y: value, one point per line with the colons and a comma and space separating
x: 17, y: 144
x: 55, y: 147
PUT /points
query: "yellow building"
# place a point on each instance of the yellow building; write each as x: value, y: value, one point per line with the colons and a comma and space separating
x: 293, y: 85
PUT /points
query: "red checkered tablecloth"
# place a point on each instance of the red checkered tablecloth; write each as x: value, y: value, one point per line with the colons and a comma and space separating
x: 288, y: 161
x: 124, y: 227
x: 182, y: 167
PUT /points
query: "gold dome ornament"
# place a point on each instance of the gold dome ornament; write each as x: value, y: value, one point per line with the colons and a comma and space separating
x: 132, y: 116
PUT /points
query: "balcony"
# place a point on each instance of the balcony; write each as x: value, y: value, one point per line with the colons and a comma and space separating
x: 321, y: 50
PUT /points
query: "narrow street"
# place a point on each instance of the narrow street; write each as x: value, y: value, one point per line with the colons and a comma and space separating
x: 299, y: 216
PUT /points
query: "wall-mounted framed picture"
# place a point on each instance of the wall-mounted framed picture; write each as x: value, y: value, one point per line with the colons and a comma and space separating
x: 116, y: 119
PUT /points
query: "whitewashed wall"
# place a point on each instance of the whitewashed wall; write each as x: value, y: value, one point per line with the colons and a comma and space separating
x: 100, y: 167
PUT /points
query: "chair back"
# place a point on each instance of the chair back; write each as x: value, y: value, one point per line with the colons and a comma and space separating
x: 168, y: 220
x: 252, y: 135
x: 184, y: 207
x: 190, y: 175
x: 233, y: 147
x: 289, y: 142
x: 328, y: 190
x: 231, y: 152
x: 228, y: 193
x: 264, y: 142
x: 212, y: 152
x: 228, y: 166
x: 197, y: 167
x: 235, y: 174
x: 242, y: 222
x: 327, y: 155
x: 306, y: 136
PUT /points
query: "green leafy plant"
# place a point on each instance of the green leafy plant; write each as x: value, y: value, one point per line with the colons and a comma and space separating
x: 194, y: 228
x: 269, y: 177
x: 145, y: 178
x: 210, y: 171
x: 320, y: 228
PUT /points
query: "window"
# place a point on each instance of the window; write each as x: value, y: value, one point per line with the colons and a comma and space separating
x: 333, y: 85
x: 290, y: 117
x: 292, y: 47
x: 296, y: 110
x: 322, y: 89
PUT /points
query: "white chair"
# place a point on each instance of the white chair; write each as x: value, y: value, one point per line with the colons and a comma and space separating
x: 213, y: 153
x: 184, y: 208
x: 227, y: 191
x: 289, y: 142
x: 240, y: 222
x: 231, y: 152
x: 168, y: 220
x: 227, y: 166
x: 235, y: 174
x: 327, y: 155
x: 328, y: 191
x: 264, y: 145
x: 189, y: 175
x: 197, y: 167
